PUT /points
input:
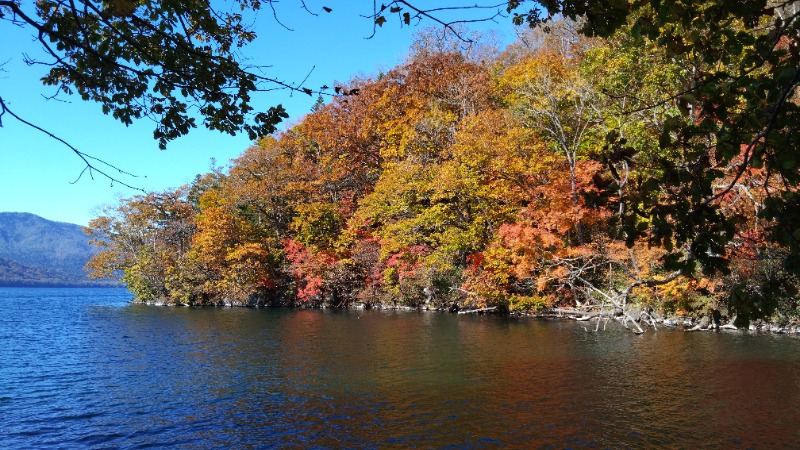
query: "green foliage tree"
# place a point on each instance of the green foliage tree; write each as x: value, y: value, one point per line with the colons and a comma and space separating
x: 152, y: 59
x: 737, y: 113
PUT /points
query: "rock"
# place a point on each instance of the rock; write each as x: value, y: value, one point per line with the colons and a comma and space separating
x: 704, y: 322
x: 776, y: 328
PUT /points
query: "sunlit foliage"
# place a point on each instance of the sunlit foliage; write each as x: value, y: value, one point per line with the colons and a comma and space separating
x: 632, y: 169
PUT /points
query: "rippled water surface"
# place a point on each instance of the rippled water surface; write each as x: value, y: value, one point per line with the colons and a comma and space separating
x: 84, y: 368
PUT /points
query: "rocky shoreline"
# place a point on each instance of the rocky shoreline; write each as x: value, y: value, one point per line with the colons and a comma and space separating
x: 704, y: 322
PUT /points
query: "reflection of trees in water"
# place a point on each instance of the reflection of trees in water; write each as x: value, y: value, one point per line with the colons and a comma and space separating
x: 332, y: 378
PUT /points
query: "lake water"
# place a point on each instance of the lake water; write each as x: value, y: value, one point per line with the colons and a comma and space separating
x: 84, y: 368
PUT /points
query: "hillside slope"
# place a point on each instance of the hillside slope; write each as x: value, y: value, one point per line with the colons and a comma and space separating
x: 36, y: 251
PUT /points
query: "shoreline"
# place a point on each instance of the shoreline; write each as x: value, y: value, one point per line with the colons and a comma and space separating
x: 687, y: 323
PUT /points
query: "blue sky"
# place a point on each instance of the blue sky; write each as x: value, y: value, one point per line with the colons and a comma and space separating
x: 37, y: 172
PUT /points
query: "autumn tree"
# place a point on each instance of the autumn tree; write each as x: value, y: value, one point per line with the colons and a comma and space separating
x: 342, y: 141
x: 241, y: 225
x: 570, y: 171
x: 143, y: 238
x: 425, y: 209
x: 548, y: 94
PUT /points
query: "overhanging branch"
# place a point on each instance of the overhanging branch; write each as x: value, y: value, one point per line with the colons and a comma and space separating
x: 93, y: 165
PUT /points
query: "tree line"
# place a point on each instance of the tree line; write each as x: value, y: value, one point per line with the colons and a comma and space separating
x: 651, y: 164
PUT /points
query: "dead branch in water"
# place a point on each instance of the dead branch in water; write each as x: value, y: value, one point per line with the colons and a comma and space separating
x: 478, y: 310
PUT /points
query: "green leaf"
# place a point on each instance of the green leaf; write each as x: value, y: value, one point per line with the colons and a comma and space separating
x: 787, y: 161
x: 756, y: 162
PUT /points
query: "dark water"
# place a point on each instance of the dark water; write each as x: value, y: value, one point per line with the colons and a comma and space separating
x: 83, y: 368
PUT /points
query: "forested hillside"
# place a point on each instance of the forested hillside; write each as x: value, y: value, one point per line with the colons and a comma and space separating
x: 562, y: 170
x: 39, y: 252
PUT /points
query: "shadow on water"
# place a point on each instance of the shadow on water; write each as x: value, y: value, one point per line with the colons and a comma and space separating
x: 85, y: 368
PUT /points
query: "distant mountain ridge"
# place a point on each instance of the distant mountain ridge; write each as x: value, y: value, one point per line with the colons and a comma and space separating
x: 38, y: 252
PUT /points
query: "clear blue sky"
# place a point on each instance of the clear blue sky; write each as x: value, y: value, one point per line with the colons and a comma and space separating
x: 36, y: 171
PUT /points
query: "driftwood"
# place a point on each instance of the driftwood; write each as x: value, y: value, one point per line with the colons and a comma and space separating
x: 627, y: 317
x: 478, y: 310
x: 597, y: 325
x: 585, y: 314
x: 727, y: 326
x: 604, y: 313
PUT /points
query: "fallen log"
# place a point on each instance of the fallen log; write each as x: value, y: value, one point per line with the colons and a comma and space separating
x: 478, y: 310
x: 578, y: 312
x: 627, y: 317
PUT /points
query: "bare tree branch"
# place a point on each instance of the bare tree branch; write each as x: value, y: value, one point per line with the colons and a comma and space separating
x: 406, y: 12
x: 93, y: 165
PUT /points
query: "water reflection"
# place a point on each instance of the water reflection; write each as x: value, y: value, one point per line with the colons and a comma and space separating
x: 139, y: 376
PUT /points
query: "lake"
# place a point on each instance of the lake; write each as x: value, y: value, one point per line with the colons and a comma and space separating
x: 85, y: 368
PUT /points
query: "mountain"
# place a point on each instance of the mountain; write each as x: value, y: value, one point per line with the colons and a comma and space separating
x: 39, y: 252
